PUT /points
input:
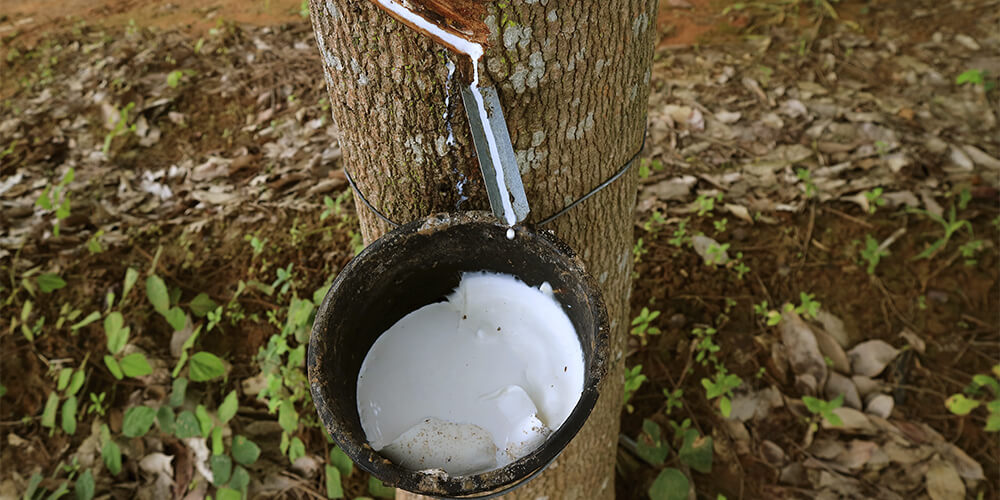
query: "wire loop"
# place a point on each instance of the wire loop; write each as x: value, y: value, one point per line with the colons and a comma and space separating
x: 560, y: 212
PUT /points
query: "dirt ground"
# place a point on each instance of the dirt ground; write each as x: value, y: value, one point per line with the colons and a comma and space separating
x: 795, y: 156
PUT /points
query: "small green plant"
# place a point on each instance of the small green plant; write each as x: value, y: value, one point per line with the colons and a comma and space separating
x: 680, y: 235
x: 705, y: 346
x: 975, y: 396
x: 721, y: 387
x: 674, y: 399
x: 873, y: 253
x: 638, y: 250
x: 642, y: 325
x: 824, y: 409
x: 9, y: 149
x: 633, y: 380
x: 771, y: 316
x: 808, y: 306
x: 120, y: 128
x: 720, y: 225
x: 117, y: 334
x: 739, y: 266
x: 334, y: 206
x: 715, y: 254
x: 806, y: 177
x: 174, y: 78
x: 94, y: 242
x: 706, y: 204
x: 875, y: 200
x: 69, y: 383
x: 969, y: 250
x: 951, y: 225
x: 656, y: 220
x: 882, y: 148
x: 57, y: 197
x: 975, y: 77
x: 694, y: 451
x: 647, y: 167
x: 256, y: 243
x: 281, y: 364
x: 97, y: 404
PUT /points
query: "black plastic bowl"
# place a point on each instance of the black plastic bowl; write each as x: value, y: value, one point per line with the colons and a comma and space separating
x: 421, y: 263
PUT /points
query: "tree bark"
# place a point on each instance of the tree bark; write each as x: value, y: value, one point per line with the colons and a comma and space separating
x: 573, y: 77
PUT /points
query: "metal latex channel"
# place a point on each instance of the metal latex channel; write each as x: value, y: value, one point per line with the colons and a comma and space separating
x: 508, y: 162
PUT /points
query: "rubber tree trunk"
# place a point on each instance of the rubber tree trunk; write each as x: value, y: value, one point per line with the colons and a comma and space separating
x: 573, y: 77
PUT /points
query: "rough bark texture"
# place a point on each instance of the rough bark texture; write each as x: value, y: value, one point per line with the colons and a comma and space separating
x: 573, y: 78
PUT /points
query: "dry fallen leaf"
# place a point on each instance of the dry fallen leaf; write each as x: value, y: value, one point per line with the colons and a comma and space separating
x: 943, y: 482
x: 838, y: 384
x: 199, y: 449
x: 870, y: 358
x: 800, y: 342
x: 829, y: 347
x: 755, y: 405
x: 834, y: 326
x: 914, y: 340
x: 856, y: 455
x: 157, y: 463
x: 675, y: 189
x: 880, y: 405
x: 964, y: 464
x: 854, y: 422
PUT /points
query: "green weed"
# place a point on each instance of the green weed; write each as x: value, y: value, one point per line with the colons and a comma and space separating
x: 875, y: 199
x: 56, y: 197
x: 951, y: 225
x: 975, y: 396
x: 633, y: 380
x: 120, y: 128
x: 824, y: 409
x: 873, y: 253
x: 642, y: 325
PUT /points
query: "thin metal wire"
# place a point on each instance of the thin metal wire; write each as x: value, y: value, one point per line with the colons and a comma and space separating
x: 562, y: 211
x: 600, y: 186
x: 361, y: 195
